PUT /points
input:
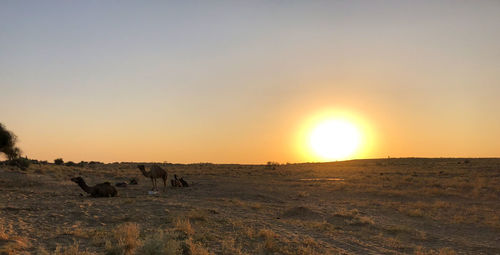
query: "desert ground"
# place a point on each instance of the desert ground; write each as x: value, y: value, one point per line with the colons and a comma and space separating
x: 377, y: 206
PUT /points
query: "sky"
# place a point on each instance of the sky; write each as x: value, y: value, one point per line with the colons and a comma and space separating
x: 244, y: 81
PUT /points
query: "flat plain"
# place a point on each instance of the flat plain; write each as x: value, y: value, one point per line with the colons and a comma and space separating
x: 373, y: 206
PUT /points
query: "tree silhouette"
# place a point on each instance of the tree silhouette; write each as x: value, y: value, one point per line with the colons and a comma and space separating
x: 58, y: 161
x: 8, y: 142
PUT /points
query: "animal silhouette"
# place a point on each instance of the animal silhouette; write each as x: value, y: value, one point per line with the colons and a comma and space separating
x: 178, y: 182
x: 183, y: 182
x: 155, y: 172
x: 175, y: 182
x: 99, y: 190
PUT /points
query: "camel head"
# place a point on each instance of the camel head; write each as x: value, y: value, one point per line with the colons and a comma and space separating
x: 77, y: 180
x: 141, y: 167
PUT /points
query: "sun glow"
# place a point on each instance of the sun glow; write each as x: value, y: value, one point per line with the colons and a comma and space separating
x: 334, y: 134
x: 335, y: 139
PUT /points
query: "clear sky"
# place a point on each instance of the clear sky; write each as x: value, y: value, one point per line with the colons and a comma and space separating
x: 238, y: 81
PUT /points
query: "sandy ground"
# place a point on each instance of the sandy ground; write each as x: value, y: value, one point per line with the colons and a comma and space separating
x: 385, y: 206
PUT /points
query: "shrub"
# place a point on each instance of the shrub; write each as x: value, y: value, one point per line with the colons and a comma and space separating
x: 82, y: 164
x: 70, y: 163
x: 272, y: 165
x: 22, y: 163
x: 58, y: 161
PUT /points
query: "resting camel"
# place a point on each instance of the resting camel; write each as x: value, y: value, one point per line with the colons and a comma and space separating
x: 183, y: 182
x: 121, y: 184
x: 99, y: 190
x: 155, y: 172
x: 178, y: 182
x: 175, y: 182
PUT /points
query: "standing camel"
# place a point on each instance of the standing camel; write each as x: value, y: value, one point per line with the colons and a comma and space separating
x: 155, y: 172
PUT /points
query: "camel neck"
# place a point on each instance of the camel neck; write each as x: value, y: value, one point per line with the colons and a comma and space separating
x: 147, y: 174
x: 84, y: 186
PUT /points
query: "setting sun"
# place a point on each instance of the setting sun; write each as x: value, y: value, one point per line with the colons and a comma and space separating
x: 335, y: 139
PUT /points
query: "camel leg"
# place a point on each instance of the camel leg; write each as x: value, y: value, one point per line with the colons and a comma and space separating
x: 153, y: 183
x: 164, y: 184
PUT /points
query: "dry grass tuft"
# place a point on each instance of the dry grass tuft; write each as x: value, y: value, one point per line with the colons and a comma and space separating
x: 99, y: 236
x: 196, y: 248
x: 322, y: 226
x: 362, y: 220
x: 266, y: 233
x: 229, y: 247
x: 197, y: 215
x: 309, y: 241
x: 3, y: 232
x: 447, y: 251
x: 307, y: 250
x: 184, y: 226
x: 303, y: 194
x: 347, y: 213
x: 125, y: 239
x: 9, y: 243
x: 71, y: 250
x: 249, y: 232
x: 237, y: 202
x: 353, y: 217
x: 443, y: 251
x: 160, y: 244
x: 417, y: 212
x: 269, y: 245
x: 256, y: 206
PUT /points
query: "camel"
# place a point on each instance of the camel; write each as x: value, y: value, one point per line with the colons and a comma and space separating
x: 99, y: 190
x: 183, y: 182
x: 121, y: 184
x: 155, y: 172
x: 175, y: 182
x: 178, y: 182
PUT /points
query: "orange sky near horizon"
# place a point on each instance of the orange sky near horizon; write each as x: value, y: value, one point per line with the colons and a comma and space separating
x: 226, y: 82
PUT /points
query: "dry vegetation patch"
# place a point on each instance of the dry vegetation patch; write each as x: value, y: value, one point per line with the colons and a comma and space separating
x: 386, y: 206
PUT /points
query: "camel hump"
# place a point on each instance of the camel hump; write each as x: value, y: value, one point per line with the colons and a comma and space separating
x: 157, y: 167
